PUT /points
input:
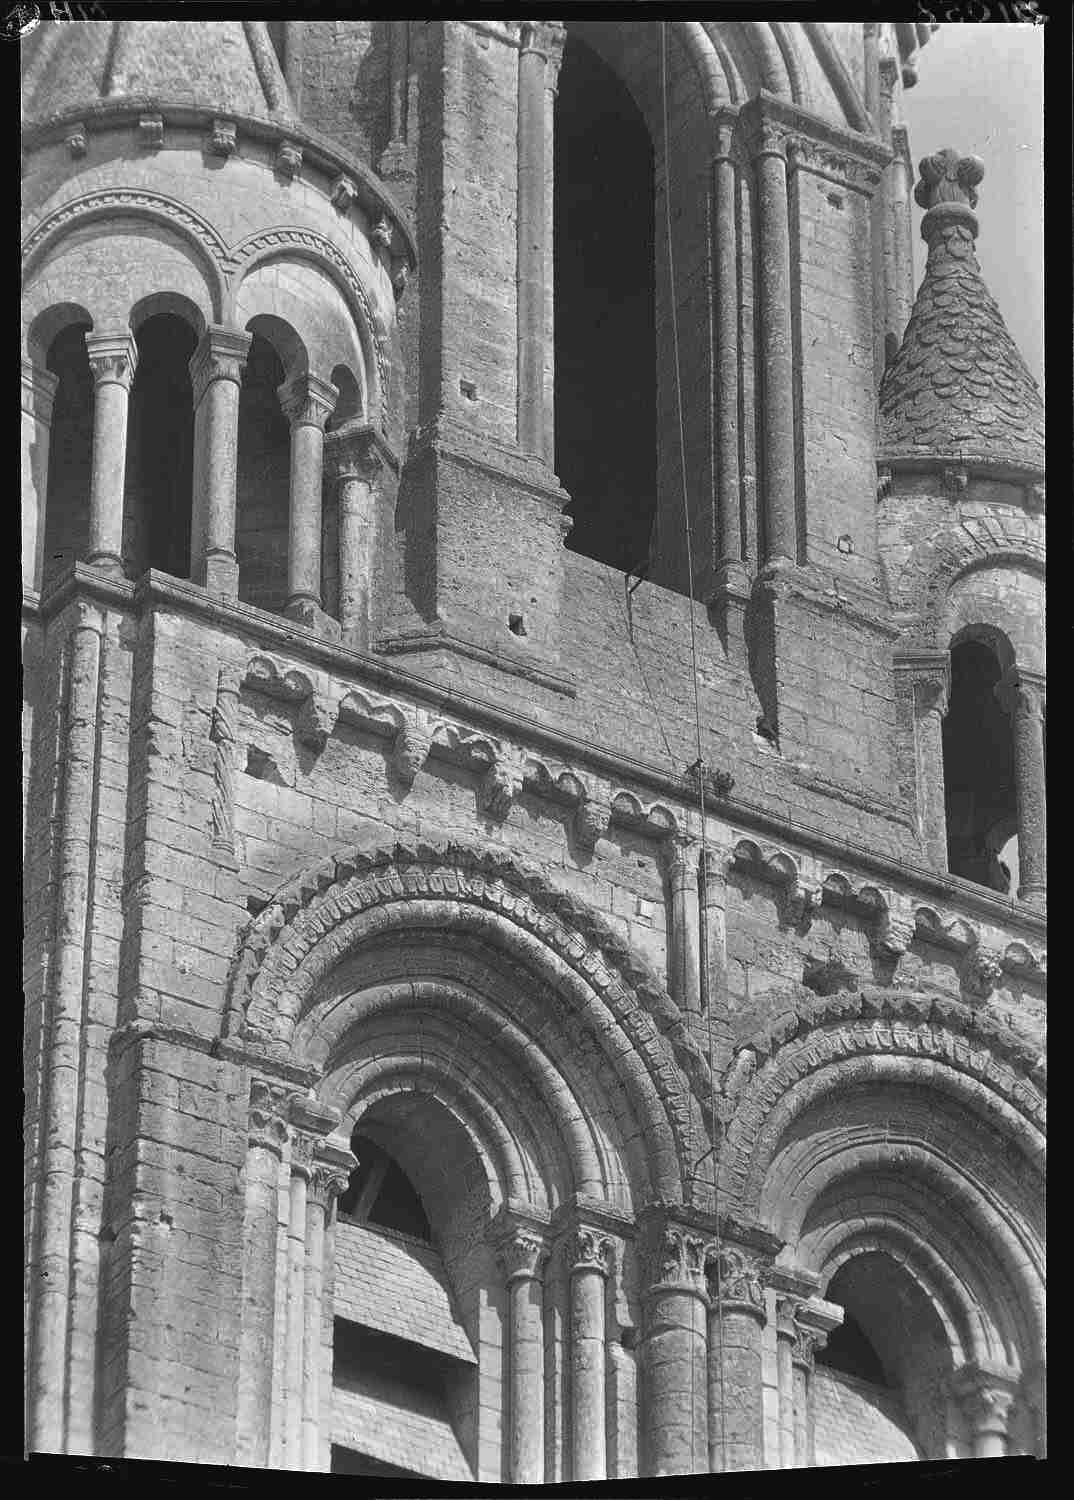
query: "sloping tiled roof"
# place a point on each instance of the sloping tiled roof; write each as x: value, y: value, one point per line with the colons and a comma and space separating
x: 395, y: 1285
x: 958, y: 387
x: 225, y: 66
x: 389, y: 1421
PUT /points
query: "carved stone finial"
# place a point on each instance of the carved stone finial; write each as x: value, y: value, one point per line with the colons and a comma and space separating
x: 947, y: 177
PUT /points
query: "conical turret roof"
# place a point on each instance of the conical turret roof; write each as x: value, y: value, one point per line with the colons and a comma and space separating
x: 958, y: 389
x: 229, y: 67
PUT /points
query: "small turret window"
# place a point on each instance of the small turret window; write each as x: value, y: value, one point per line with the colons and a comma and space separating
x: 979, y: 781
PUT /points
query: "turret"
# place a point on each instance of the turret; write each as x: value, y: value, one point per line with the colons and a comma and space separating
x: 961, y: 497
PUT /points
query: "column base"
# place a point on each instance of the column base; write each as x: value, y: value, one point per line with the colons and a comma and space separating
x: 220, y: 575
x: 726, y: 594
x: 107, y: 562
x: 309, y: 614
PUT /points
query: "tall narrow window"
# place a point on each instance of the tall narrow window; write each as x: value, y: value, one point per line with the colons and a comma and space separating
x: 70, y: 453
x: 160, y: 449
x: 978, y: 765
x: 605, y: 341
x: 263, y: 484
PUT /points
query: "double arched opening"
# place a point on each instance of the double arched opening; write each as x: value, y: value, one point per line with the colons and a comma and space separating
x: 185, y: 430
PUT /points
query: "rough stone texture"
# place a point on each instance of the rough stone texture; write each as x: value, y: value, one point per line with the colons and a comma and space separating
x: 278, y: 887
x: 858, y: 1423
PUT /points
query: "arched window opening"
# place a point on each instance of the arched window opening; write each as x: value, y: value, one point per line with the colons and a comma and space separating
x: 880, y: 1384
x: 404, y: 1381
x: 70, y: 457
x: 263, y: 481
x: 979, y: 773
x: 605, y: 336
x: 160, y: 449
x: 380, y: 1192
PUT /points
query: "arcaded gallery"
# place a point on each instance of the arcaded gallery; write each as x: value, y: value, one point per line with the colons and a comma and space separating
x: 533, y: 755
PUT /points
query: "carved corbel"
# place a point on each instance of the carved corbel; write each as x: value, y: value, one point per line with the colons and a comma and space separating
x: 223, y: 138
x: 893, y: 931
x: 288, y: 159
x: 150, y: 132
x: 410, y: 748
x: 590, y: 822
x: 75, y: 139
x: 315, y: 721
x: 343, y: 194
x: 802, y: 899
x: 501, y: 784
x: 981, y: 973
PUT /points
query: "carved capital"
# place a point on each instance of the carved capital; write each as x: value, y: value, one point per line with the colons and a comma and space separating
x: 928, y: 676
x: 544, y: 37
x: 267, y: 1119
x: 221, y: 355
x: 806, y: 1343
x: 521, y: 1252
x: 331, y: 1165
x: 113, y: 357
x: 723, y: 131
x: 1022, y: 693
x: 223, y: 138
x: 288, y: 159
x: 677, y: 1258
x: 311, y: 1122
x: 357, y: 451
x: 735, y: 1279
x: 589, y: 1250
x: 986, y: 1398
x: 787, y: 1317
x: 307, y: 400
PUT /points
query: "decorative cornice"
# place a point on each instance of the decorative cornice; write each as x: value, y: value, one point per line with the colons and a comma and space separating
x: 770, y: 124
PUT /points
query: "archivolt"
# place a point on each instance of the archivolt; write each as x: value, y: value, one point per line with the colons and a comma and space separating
x: 290, y: 950
x: 935, y: 564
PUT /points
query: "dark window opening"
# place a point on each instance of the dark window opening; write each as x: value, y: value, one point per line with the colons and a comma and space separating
x: 380, y: 1192
x: 263, y: 481
x: 849, y: 1350
x: 158, y: 488
x: 978, y: 765
x: 605, y: 336
x: 70, y: 453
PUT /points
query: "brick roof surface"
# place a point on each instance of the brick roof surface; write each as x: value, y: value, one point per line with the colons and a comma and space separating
x: 396, y: 1285
x: 958, y: 386
x: 373, y: 1414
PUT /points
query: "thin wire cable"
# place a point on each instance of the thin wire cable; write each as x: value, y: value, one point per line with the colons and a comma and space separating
x: 702, y: 892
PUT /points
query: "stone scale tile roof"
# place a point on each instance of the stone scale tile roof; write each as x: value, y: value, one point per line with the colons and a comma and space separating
x: 958, y: 389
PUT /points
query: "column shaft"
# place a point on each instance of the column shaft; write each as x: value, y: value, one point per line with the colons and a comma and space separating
x: 38, y: 393
x: 525, y: 1396
x: 781, y: 539
x: 308, y: 403
x: 588, y: 1438
x: 714, y: 936
x: 802, y: 1426
x: 531, y: 240
x: 356, y: 546
x: 113, y: 358
x: 784, y: 1349
x: 257, y: 1338
x: 684, y: 966
x: 311, y: 1356
x: 296, y: 1318
x: 736, y: 1397
x: 51, y: 1250
x: 725, y: 293
x: 216, y: 372
x: 1025, y: 702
